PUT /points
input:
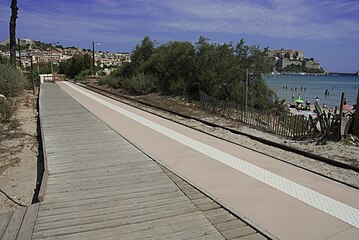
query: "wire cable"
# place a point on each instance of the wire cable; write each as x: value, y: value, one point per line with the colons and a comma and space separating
x: 10, y: 198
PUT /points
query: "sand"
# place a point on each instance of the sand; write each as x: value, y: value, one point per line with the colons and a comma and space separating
x: 18, y: 156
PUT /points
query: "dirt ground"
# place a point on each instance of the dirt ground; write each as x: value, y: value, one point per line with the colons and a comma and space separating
x: 344, y: 150
x: 18, y: 154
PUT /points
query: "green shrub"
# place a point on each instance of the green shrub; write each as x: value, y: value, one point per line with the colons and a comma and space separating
x: 140, y: 84
x: 11, y: 81
x: 178, y: 87
x: 82, y: 76
x: 109, y: 80
x: 7, y: 110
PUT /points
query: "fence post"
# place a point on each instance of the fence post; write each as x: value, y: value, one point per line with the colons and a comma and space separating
x: 340, y: 116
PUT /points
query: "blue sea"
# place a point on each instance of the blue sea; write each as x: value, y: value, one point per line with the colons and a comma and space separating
x: 310, y: 86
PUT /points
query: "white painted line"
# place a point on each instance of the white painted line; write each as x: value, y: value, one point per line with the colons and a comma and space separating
x: 326, y: 204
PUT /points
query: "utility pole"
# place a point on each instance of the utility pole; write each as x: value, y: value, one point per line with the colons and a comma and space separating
x: 93, y: 58
x: 341, y: 116
x: 32, y: 76
x: 19, y: 47
x: 38, y: 66
x: 246, y: 90
x: 12, y: 30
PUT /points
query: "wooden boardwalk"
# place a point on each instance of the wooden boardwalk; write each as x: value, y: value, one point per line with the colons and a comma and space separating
x: 102, y: 187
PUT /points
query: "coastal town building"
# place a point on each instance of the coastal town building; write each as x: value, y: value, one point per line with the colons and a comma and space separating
x: 292, y: 60
x: 55, y: 55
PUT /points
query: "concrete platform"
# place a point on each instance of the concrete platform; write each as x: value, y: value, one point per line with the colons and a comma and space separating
x: 289, y: 202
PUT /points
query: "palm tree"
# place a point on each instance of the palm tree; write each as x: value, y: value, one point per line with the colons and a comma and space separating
x: 13, y: 18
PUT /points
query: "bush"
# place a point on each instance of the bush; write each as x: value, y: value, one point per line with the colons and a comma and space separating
x: 6, y: 110
x: 11, y: 81
x: 140, y: 84
x: 110, y: 80
x: 82, y: 76
x: 178, y: 87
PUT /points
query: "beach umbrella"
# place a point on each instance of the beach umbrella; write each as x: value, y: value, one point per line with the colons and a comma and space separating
x: 298, y: 100
x: 347, y: 107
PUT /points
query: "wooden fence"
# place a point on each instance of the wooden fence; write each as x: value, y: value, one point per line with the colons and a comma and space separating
x: 285, y: 124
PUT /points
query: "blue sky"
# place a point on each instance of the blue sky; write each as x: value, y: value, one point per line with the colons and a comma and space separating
x: 326, y: 30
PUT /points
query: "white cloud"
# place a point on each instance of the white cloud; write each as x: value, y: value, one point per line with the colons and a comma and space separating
x: 287, y: 19
x: 130, y: 20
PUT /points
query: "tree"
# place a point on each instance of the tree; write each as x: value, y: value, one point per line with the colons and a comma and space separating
x: 140, y: 56
x: 181, y: 68
x: 174, y: 64
x: 13, y: 18
x: 73, y: 66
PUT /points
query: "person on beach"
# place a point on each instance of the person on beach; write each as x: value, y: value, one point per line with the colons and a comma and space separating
x: 292, y: 97
x: 317, y: 100
x: 345, y: 101
x: 307, y: 105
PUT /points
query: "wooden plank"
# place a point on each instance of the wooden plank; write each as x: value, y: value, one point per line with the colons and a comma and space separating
x: 238, y: 232
x: 4, y: 221
x: 109, y: 192
x: 112, y: 181
x: 121, y: 213
x: 215, y: 212
x: 113, y: 221
x: 84, y: 181
x: 27, y: 226
x: 119, y: 190
x: 105, y: 203
x: 208, y: 206
x: 202, y: 200
x: 236, y: 223
x: 74, y: 175
x: 255, y: 236
x: 135, y: 196
x: 14, y: 224
x: 118, y: 232
x: 216, y: 219
x: 103, y: 207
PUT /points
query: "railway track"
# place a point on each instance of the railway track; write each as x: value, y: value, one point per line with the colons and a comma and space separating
x: 141, y: 104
